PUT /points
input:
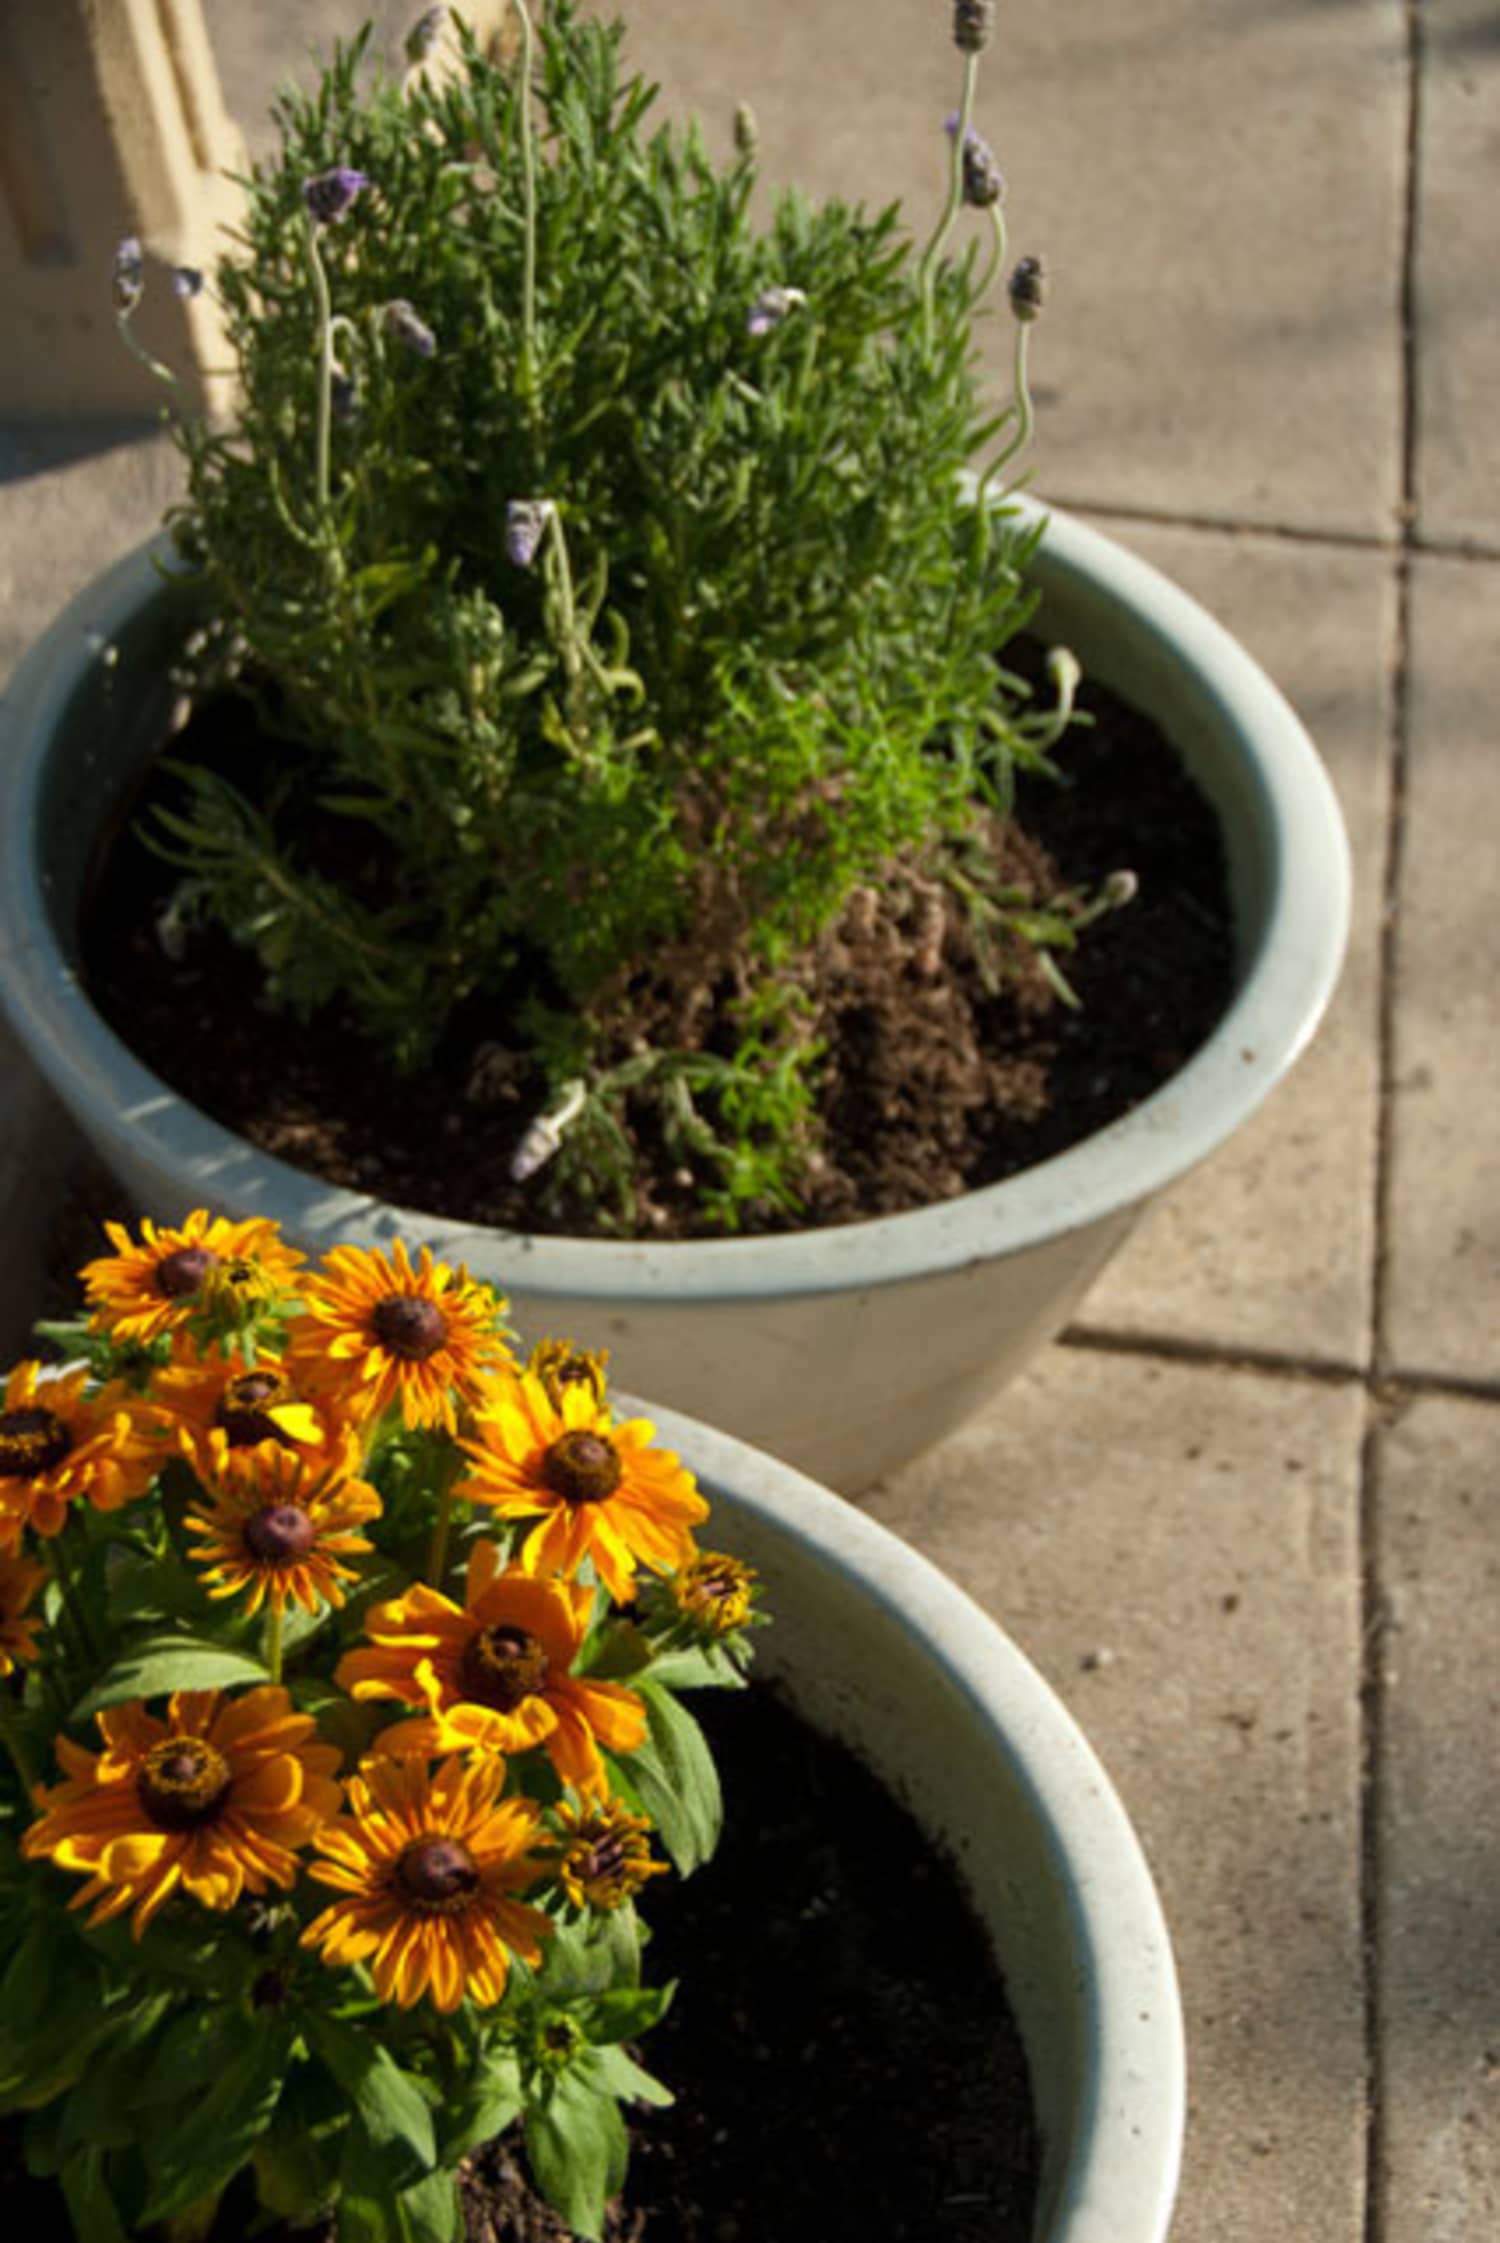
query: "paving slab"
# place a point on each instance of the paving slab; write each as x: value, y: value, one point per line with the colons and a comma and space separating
x: 1438, y: 1826
x: 1270, y: 1247
x: 1444, y: 1259
x: 1217, y: 191
x: 1175, y: 1547
x: 1457, y: 309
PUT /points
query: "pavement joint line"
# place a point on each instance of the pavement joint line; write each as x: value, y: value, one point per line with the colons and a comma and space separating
x: 1391, y: 1389
x: 1405, y: 539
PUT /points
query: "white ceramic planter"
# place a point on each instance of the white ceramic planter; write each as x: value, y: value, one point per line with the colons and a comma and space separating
x: 877, y: 1647
x: 845, y: 1351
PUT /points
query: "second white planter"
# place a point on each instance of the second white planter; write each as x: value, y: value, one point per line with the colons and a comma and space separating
x: 844, y: 1351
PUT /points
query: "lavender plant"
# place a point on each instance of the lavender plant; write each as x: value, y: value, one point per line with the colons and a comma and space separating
x: 598, y: 551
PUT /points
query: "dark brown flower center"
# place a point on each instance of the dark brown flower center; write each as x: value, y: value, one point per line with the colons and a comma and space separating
x: 501, y: 1667
x: 409, y: 1326
x: 281, y: 1534
x: 605, y: 1858
x: 245, y: 1405
x: 581, y: 1467
x: 183, y: 1783
x: 31, y: 1442
x: 438, y: 1876
x: 185, y: 1271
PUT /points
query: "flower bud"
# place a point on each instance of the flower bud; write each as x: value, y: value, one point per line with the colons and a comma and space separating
x: 526, y: 522
x: 330, y: 195
x: 972, y: 24
x: 746, y: 130
x: 771, y: 307
x: 1119, y: 889
x: 187, y: 282
x: 1028, y: 288
x: 425, y: 34
x: 128, y: 273
x: 984, y: 182
x: 403, y: 326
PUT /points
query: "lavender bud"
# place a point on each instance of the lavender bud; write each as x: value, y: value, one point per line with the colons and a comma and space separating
x: 425, y: 34
x: 984, y: 182
x: 330, y: 195
x: 128, y: 273
x: 771, y: 307
x: 1028, y: 288
x: 343, y: 398
x: 526, y: 522
x: 972, y: 23
x: 746, y: 130
x: 404, y: 327
x: 187, y: 282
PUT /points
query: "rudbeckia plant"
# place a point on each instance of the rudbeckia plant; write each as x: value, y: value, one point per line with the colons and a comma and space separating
x: 340, y: 1655
x: 590, y: 544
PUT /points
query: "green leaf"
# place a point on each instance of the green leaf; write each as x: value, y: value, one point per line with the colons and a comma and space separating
x: 212, y: 2137
x: 674, y: 1777
x: 91, y: 2208
x: 426, y: 2213
x: 624, y: 2012
x: 699, y: 1667
x: 393, y: 2140
x: 162, y: 1663
x: 577, y: 2149
x: 623, y: 2076
x: 484, y: 2106
x: 195, y: 2046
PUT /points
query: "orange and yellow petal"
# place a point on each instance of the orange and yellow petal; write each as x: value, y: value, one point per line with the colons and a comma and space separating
x: 171, y: 1274
x: 61, y: 1444
x: 380, y: 1331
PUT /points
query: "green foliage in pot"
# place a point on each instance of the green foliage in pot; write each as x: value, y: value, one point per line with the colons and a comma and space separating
x: 600, y: 548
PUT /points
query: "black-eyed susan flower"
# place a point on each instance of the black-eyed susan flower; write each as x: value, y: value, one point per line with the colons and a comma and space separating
x: 19, y: 1581
x: 427, y: 1865
x: 560, y: 1363
x: 714, y: 1592
x: 281, y: 1531
x: 227, y: 1415
x: 60, y: 1445
x: 603, y: 1855
x: 494, y: 1675
x: 601, y: 1493
x: 213, y: 1799
x: 169, y: 1275
x: 383, y: 1329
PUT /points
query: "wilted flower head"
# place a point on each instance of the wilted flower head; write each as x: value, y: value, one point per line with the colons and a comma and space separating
x: 330, y: 195
x: 343, y: 397
x: 128, y: 273
x: 404, y: 326
x: 972, y: 23
x: 425, y: 34
x: 771, y: 307
x: 187, y: 282
x: 1028, y: 288
x: 984, y: 182
x: 526, y: 522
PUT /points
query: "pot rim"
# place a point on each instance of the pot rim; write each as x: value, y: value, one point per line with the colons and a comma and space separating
x: 1121, y: 2168
x: 1286, y: 987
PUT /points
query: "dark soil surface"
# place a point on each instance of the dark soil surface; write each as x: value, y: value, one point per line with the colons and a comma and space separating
x: 932, y: 1086
x: 846, y: 2066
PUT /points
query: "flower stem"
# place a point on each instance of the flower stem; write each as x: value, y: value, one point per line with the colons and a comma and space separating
x: 11, y: 1738
x: 442, y: 1526
x: 1022, y: 411
x: 528, y: 214
x: 323, y: 473
x: 939, y: 242
x: 273, y: 1640
x: 62, y: 1574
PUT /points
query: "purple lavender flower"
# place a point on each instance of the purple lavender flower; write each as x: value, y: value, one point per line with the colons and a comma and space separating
x: 984, y: 182
x: 972, y: 21
x: 403, y: 326
x: 526, y: 522
x: 330, y: 195
x: 771, y: 307
x: 128, y: 272
x: 1028, y: 288
x: 425, y: 34
x: 187, y: 282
